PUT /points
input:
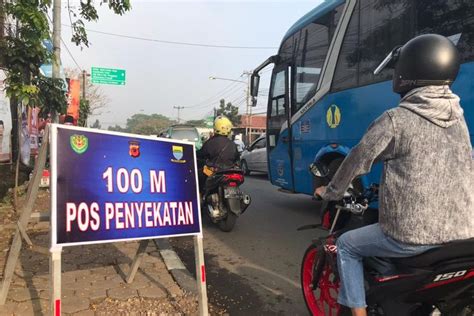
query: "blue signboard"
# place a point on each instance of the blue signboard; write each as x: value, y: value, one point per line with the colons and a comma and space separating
x: 109, y: 186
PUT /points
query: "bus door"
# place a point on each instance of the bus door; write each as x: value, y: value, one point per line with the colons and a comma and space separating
x: 278, y: 131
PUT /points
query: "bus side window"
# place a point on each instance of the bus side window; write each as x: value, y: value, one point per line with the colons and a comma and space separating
x: 377, y: 26
x: 311, y: 47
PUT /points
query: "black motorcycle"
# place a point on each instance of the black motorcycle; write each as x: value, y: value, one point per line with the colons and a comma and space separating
x: 439, y: 281
x: 223, y: 201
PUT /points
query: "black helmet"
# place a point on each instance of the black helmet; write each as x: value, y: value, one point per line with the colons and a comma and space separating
x: 425, y: 60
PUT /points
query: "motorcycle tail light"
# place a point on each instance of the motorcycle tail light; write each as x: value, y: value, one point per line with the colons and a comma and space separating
x: 234, y: 177
x: 232, y: 184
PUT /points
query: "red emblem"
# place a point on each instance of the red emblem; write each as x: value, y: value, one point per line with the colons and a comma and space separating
x: 134, y: 149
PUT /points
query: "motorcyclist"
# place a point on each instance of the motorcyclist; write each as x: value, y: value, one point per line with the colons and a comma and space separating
x: 218, y: 152
x: 426, y: 193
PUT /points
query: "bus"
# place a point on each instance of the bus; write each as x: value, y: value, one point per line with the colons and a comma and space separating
x: 323, y: 92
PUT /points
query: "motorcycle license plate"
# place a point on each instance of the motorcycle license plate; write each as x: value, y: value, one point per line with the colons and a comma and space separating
x: 231, y: 192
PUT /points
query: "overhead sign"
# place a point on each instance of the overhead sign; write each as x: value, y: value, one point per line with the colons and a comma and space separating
x: 108, y: 76
x: 109, y: 186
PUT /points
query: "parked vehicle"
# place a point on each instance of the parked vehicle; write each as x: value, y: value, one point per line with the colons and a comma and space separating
x: 440, y: 279
x: 184, y: 132
x: 254, y: 158
x: 223, y: 201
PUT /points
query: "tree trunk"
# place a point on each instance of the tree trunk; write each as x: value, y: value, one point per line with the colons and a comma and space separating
x: 15, y: 137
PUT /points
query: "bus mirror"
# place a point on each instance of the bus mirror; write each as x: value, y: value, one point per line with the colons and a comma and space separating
x: 254, y: 82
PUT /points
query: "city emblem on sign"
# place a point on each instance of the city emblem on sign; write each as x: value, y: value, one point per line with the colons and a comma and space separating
x: 134, y: 148
x: 79, y: 143
x: 178, y: 154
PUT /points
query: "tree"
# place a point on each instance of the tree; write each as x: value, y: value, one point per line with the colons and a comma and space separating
x: 22, y: 52
x: 230, y: 111
x: 145, y: 124
x: 197, y: 123
x: 96, y: 124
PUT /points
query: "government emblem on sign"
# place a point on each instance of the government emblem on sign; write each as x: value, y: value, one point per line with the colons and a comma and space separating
x: 79, y: 143
x: 333, y: 116
x: 178, y: 154
x: 134, y: 148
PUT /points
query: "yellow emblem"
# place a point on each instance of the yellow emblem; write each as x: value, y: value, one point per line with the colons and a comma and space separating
x: 333, y: 116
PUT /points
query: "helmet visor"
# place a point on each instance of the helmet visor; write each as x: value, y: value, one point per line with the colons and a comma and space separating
x: 389, y: 61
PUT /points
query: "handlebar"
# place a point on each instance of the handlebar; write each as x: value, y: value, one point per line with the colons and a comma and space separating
x: 353, y: 202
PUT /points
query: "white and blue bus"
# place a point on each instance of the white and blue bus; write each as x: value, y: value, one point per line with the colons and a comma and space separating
x: 323, y: 93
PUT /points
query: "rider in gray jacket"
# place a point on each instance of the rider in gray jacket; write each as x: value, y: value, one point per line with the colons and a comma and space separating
x: 427, y: 186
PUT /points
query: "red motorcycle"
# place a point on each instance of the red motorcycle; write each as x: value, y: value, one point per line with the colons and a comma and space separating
x: 439, y: 281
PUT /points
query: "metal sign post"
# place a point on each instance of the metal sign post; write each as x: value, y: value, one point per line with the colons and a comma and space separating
x: 55, y: 280
x: 200, y: 275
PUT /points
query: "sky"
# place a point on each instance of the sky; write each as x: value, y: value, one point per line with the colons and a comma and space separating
x: 160, y: 76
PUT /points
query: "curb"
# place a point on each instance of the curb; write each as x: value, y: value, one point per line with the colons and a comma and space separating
x: 176, y: 267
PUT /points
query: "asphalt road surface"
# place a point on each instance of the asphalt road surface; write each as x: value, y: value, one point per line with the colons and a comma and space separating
x: 255, y: 269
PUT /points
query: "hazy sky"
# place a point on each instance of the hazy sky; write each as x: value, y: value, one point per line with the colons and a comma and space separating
x: 160, y: 76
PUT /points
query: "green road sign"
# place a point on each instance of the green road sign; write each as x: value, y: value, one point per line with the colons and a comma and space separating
x: 108, y: 76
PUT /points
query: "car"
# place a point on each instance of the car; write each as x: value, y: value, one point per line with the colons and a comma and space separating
x: 183, y: 132
x: 254, y: 158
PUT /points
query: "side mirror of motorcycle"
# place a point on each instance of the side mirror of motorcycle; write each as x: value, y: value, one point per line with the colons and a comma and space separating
x: 319, y: 170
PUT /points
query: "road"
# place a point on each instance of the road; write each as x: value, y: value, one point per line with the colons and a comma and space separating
x: 255, y: 269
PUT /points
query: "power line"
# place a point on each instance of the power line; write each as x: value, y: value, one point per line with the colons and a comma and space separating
x: 228, y: 90
x: 176, y: 42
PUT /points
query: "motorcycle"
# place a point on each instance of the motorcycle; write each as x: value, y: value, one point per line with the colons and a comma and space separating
x: 222, y: 198
x: 439, y: 281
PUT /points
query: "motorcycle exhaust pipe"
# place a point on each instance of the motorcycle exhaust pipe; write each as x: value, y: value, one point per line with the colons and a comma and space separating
x: 245, y: 202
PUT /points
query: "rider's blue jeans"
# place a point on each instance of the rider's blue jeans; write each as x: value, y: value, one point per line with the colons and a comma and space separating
x: 368, y: 241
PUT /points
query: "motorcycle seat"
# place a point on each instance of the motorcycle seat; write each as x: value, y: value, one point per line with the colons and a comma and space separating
x: 456, y: 250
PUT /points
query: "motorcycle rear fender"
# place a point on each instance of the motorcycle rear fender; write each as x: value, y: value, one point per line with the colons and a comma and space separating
x: 233, y: 198
x: 234, y: 205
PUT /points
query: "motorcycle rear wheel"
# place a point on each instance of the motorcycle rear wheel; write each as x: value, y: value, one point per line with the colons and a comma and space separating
x: 228, y: 223
x: 320, y: 298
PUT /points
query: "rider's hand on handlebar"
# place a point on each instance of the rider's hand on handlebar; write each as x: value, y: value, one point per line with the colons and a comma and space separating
x: 318, y: 193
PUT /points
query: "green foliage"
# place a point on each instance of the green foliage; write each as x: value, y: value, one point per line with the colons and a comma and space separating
x: 22, y: 51
x: 51, y: 95
x: 88, y: 12
x: 84, y: 111
x: 197, y: 123
x: 232, y: 112
x: 145, y: 124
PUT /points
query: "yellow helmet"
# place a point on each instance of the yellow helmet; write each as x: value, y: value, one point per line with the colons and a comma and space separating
x: 222, y: 125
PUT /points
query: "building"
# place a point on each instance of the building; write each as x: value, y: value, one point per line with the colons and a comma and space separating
x: 251, y: 127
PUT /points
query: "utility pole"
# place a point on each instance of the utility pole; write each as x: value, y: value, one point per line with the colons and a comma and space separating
x: 84, y: 94
x: 248, y: 128
x: 179, y: 108
x: 56, y: 44
x: 84, y: 75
